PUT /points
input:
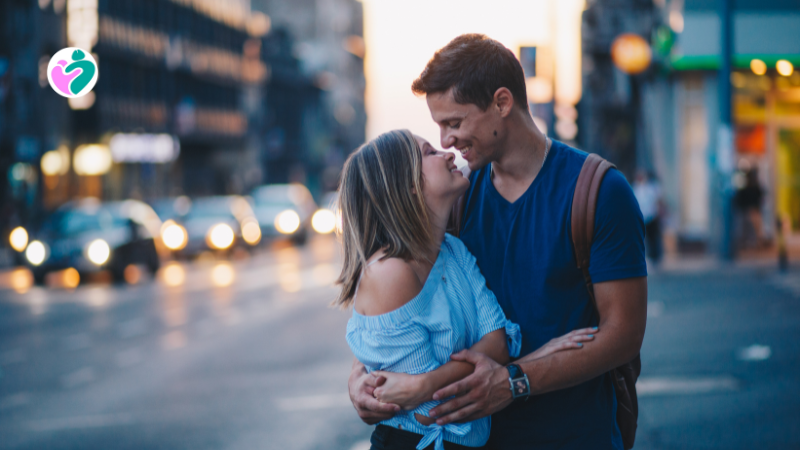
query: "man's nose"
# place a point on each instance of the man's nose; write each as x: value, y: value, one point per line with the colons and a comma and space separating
x: 448, y: 140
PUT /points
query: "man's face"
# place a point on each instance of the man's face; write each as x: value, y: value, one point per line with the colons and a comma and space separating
x: 466, y: 128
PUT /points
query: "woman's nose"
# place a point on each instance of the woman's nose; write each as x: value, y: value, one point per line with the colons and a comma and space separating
x: 449, y: 156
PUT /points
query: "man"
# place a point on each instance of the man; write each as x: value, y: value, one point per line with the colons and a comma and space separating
x: 517, y: 224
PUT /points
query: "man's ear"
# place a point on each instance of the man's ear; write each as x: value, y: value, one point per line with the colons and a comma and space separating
x: 503, y: 101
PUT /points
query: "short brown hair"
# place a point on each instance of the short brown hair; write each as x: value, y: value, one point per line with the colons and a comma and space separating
x: 475, y: 67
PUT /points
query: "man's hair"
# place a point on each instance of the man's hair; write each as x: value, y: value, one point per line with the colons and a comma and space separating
x: 475, y: 67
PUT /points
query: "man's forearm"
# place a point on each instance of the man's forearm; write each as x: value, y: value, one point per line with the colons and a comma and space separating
x: 492, y: 345
x: 623, y: 317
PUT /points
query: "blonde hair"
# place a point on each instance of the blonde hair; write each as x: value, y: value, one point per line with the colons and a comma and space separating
x: 381, y: 205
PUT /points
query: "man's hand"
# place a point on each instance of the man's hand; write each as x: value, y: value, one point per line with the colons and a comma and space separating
x: 484, y: 392
x: 362, y: 387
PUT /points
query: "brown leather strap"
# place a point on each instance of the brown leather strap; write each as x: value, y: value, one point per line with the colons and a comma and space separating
x: 584, y: 206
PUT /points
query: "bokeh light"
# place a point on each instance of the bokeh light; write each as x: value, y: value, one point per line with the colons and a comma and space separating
x: 173, y: 235
x: 98, y: 252
x: 173, y: 274
x: 323, y: 221
x: 36, y: 253
x: 18, y: 239
x: 70, y: 278
x: 222, y: 275
x: 132, y: 274
x: 784, y: 67
x: 20, y: 280
x: 287, y: 222
x: 220, y: 236
x: 251, y: 232
x: 758, y: 67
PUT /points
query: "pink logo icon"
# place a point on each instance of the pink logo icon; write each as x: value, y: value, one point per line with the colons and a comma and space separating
x: 62, y: 80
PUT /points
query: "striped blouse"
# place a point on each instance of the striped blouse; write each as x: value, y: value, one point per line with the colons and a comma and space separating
x: 452, y: 312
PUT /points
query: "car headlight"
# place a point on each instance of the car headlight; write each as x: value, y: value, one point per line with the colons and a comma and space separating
x: 36, y: 253
x: 173, y: 235
x: 220, y: 236
x: 323, y: 221
x: 287, y: 222
x: 251, y: 232
x: 98, y: 252
x: 18, y: 239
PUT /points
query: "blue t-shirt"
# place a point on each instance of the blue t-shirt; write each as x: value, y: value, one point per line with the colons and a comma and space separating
x: 524, y: 250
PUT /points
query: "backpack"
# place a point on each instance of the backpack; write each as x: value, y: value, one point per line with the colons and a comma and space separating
x: 584, y: 204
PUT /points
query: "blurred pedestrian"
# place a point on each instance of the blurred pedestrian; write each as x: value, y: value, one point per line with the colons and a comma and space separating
x: 748, y: 201
x: 515, y: 220
x: 417, y: 294
x: 647, y: 190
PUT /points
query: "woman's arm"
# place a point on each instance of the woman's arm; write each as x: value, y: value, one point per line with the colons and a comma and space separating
x: 408, y: 391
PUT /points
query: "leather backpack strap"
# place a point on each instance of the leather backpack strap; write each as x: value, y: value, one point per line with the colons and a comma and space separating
x: 584, y: 206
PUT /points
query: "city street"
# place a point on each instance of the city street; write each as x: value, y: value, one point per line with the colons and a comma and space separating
x: 248, y: 355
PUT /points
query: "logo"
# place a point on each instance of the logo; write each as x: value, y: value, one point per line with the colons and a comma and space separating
x: 72, y: 72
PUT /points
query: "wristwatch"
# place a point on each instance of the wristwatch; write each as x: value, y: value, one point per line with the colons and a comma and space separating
x: 519, y: 384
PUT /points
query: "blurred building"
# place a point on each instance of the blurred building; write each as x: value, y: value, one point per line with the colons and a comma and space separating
x: 194, y: 97
x: 326, y: 37
x: 666, y: 119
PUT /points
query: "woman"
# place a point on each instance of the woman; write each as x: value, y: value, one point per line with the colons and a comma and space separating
x: 416, y: 292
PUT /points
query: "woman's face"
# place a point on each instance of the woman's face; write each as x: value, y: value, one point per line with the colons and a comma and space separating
x: 442, y: 180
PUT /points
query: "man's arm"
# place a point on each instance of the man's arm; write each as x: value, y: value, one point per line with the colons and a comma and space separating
x: 622, y: 305
x: 408, y: 391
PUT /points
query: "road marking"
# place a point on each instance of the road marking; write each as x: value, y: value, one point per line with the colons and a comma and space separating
x: 77, y: 378
x: 71, y: 423
x: 361, y: 445
x: 655, y: 386
x: 754, y: 352
x: 315, y: 402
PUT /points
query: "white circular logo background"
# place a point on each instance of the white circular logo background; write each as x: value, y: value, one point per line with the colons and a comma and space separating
x: 68, y: 72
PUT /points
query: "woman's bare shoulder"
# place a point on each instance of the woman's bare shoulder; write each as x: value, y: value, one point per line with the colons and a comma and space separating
x: 385, y: 286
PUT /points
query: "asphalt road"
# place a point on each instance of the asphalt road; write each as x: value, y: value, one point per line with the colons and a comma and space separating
x: 248, y: 355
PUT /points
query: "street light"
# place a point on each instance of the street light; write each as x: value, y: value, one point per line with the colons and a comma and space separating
x: 784, y: 67
x: 18, y: 239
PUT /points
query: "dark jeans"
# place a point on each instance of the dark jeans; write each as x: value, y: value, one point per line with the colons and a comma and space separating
x: 388, y: 438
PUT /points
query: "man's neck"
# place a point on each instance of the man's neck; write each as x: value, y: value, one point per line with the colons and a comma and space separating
x: 523, y: 153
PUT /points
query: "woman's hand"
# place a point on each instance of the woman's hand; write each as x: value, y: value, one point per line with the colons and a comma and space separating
x: 569, y: 341
x: 408, y: 391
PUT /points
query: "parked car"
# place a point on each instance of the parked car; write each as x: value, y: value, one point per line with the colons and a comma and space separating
x: 284, y: 210
x: 219, y: 223
x: 91, y: 236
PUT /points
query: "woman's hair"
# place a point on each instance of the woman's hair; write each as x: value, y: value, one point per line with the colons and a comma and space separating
x: 381, y: 205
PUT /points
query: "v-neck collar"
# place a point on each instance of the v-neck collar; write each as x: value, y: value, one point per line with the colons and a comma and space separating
x: 494, y: 192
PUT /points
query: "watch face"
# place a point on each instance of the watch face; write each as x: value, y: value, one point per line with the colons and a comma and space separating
x: 521, y: 387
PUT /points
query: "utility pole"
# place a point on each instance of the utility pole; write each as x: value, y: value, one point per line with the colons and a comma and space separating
x: 725, y: 154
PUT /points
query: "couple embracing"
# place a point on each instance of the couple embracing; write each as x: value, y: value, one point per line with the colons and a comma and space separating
x: 490, y: 339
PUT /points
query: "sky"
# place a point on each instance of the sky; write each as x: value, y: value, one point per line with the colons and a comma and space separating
x: 402, y: 36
